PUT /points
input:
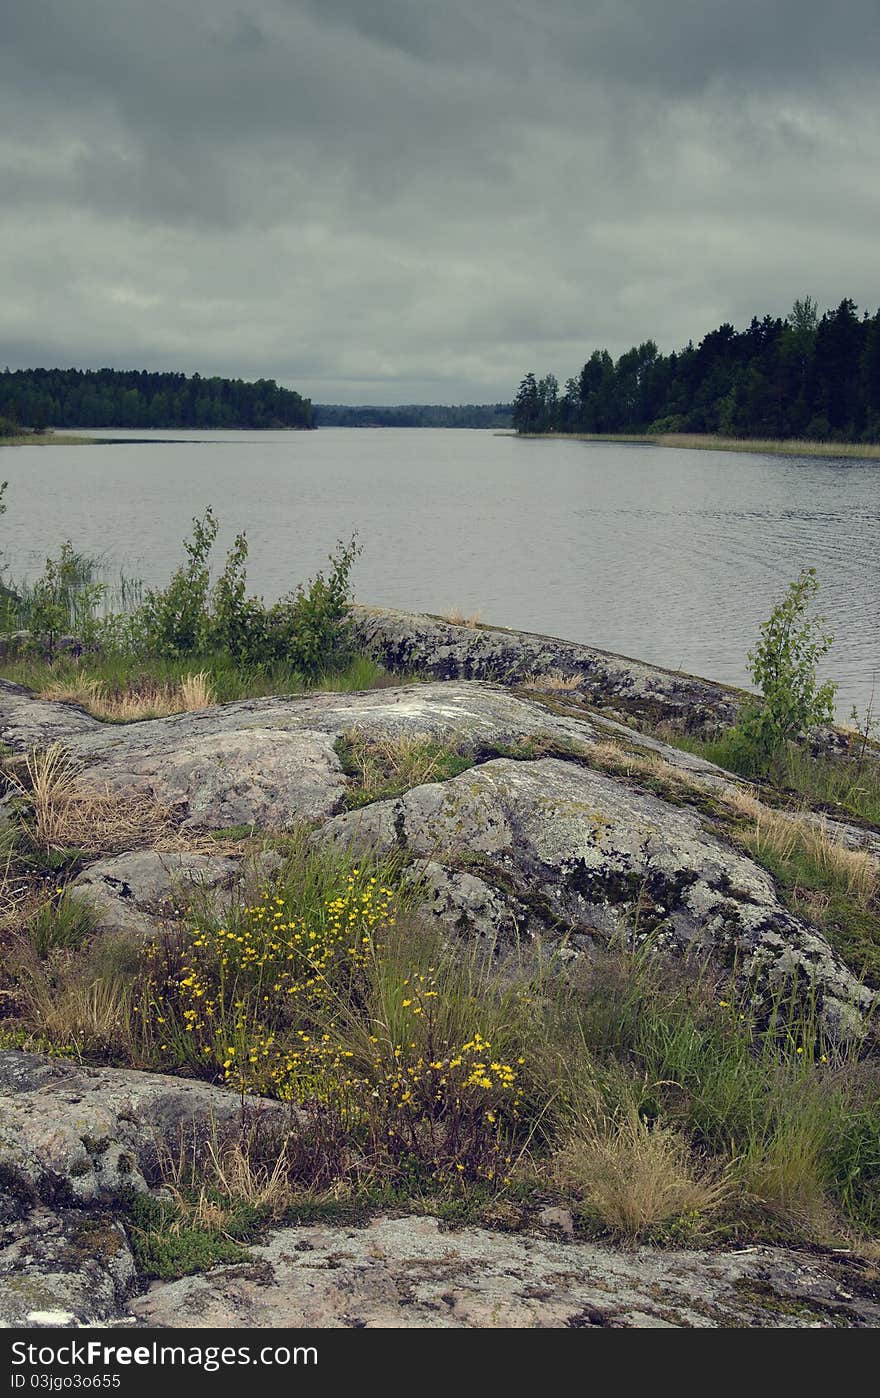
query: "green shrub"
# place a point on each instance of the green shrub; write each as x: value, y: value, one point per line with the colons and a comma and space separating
x: 239, y: 625
x: 308, y: 626
x: 63, y: 599
x: 119, y: 674
x: 783, y: 666
x: 175, y: 620
x: 303, y: 635
x: 305, y: 631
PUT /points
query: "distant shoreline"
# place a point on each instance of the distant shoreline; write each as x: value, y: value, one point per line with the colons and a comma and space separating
x: 693, y: 441
x: 47, y: 439
x: 68, y: 439
x: 698, y: 441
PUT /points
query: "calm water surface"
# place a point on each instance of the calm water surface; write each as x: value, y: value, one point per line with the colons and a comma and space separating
x: 670, y: 556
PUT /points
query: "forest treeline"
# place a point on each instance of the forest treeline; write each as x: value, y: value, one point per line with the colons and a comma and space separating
x: 414, y: 415
x: 802, y: 376
x: 39, y: 398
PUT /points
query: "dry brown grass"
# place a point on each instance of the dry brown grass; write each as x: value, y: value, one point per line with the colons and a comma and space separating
x: 226, y: 1172
x: 197, y: 692
x: 456, y: 617
x: 15, y: 888
x: 175, y: 841
x: 784, y: 835
x: 413, y: 760
x: 73, y: 1007
x: 213, y: 1172
x: 77, y: 690
x: 81, y: 998
x: 637, y: 1178
x: 146, y: 699
x: 238, y: 1176
x: 68, y: 813
x: 553, y: 680
x: 614, y: 758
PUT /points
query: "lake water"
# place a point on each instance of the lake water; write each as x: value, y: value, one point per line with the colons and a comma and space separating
x: 671, y: 556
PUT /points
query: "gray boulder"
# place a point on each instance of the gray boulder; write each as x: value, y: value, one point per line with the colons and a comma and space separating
x: 412, y: 641
x: 591, y: 856
x: 272, y: 762
x: 74, y: 1135
x: 549, y: 845
x: 27, y: 722
x: 134, y: 893
x: 69, y: 1269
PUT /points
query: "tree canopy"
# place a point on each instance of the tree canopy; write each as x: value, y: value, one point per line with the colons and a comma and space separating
x: 801, y: 376
x: 495, y: 415
x: 134, y: 398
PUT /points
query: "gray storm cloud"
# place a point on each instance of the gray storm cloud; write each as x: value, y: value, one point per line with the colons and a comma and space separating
x: 380, y: 201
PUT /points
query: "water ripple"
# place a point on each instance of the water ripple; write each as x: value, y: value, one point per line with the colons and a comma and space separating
x: 674, y: 556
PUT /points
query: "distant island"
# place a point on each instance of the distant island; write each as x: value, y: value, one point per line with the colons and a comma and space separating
x: 40, y: 398
x: 801, y: 377
x: 497, y: 415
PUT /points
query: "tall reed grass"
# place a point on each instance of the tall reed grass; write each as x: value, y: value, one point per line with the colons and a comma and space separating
x: 705, y: 441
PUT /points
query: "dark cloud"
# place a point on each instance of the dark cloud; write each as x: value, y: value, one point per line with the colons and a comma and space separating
x: 681, y: 46
x: 372, y: 198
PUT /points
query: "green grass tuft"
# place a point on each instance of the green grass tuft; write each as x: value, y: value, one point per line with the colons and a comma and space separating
x: 63, y: 922
x: 380, y: 768
x: 165, y: 1247
x: 845, y: 787
x: 118, y: 675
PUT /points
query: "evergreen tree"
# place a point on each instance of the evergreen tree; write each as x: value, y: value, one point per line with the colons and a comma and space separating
x: 526, y: 406
x: 132, y: 399
x: 777, y: 378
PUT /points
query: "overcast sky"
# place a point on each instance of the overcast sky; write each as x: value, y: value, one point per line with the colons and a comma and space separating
x: 418, y: 200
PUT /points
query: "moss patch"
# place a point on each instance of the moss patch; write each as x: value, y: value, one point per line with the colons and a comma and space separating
x: 165, y: 1247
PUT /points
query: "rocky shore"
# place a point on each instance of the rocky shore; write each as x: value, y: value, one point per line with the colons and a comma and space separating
x: 569, y: 828
x: 428, y: 645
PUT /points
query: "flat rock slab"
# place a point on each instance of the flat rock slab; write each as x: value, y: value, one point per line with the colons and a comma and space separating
x: 591, y: 855
x: 409, y: 1273
x: 72, y: 1135
x: 272, y: 762
x: 27, y: 722
x: 241, y: 774
x: 139, y: 893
